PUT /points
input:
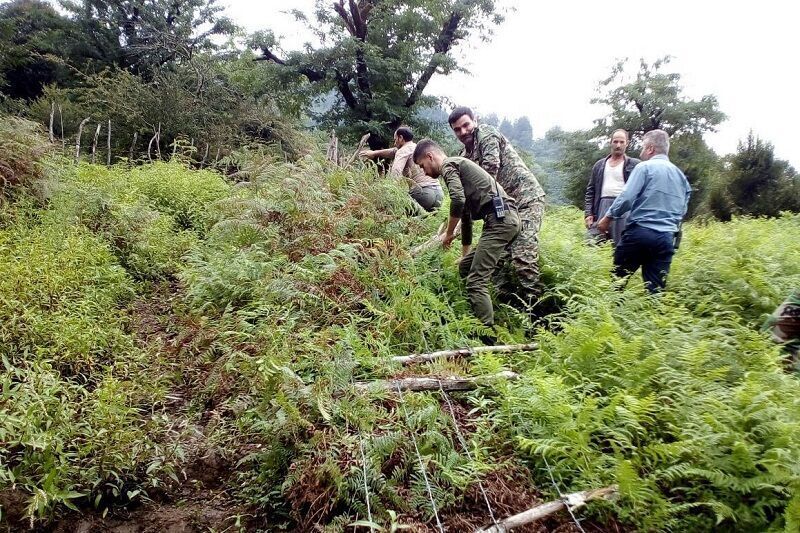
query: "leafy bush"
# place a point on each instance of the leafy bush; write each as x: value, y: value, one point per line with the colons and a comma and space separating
x: 21, y: 151
x: 62, y: 291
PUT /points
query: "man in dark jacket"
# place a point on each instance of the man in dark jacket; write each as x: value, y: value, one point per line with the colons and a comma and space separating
x: 609, y: 176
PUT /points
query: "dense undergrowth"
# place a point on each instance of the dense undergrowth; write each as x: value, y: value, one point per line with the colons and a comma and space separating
x: 297, y: 282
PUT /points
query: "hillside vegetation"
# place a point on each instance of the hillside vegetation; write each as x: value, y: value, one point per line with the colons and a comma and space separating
x: 170, y: 334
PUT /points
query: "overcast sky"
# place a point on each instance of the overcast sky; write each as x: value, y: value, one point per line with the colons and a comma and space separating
x: 546, y: 59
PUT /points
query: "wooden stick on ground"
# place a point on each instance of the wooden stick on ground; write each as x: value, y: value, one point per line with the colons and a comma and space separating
x: 418, y: 384
x: 461, y: 352
x: 574, y: 500
x: 434, y: 240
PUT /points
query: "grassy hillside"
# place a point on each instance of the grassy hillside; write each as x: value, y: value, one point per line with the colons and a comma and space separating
x: 170, y: 337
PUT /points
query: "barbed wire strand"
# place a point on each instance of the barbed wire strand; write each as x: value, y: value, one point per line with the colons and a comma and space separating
x: 561, y: 496
x: 463, y: 442
x: 419, y: 458
x: 363, y: 454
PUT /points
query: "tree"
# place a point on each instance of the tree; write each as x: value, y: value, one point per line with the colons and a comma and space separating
x: 698, y: 162
x: 756, y: 183
x: 580, y: 151
x: 491, y: 119
x: 506, y: 128
x: 379, y: 56
x: 151, y: 33
x: 522, y: 133
x: 37, y: 44
x: 653, y: 100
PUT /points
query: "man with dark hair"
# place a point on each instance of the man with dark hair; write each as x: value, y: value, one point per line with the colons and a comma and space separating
x: 474, y: 194
x: 490, y: 149
x: 656, y: 198
x: 606, y: 182
x: 425, y: 190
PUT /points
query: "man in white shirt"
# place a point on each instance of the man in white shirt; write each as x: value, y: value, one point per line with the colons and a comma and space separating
x: 425, y: 190
x: 606, y: 182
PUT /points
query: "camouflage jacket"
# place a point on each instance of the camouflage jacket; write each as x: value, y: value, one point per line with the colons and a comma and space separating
x: 495, y: 154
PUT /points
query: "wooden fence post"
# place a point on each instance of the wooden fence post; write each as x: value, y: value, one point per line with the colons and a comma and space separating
x: 94, y: 143
x: 52, y: 116
x: 133, y: 144
x: 108, y: 144
x: 78, y: 140
x: 61, y: 120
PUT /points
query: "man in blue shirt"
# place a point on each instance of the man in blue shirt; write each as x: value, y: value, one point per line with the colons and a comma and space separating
x: 656, y: 196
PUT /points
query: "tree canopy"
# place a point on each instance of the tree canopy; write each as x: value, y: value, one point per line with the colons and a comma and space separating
x: 378, y: 56
x: 653, y: 100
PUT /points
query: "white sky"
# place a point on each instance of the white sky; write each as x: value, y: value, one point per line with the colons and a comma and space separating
x: 546, y: 59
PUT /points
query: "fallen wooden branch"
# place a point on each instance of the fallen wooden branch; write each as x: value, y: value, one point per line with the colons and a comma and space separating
x: 418, y: 384
x: 434, y: 240
x: 574, y: 500
x: 461, y: 352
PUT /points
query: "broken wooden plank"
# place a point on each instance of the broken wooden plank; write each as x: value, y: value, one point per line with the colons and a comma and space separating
x: 419, y: 384
x: 461, y: 352
x: 574, y: 500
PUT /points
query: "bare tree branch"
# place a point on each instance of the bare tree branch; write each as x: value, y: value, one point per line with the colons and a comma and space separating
x: 445, y: 41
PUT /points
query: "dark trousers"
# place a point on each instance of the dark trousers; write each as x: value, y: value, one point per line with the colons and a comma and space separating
x: 646, y: 248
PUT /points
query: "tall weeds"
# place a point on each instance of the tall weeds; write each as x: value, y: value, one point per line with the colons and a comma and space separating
x: 297, y: 282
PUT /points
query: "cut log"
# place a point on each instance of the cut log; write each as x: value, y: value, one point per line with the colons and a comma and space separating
x: 418, y: 384
x: 461, y: 352
x: 574, y: 500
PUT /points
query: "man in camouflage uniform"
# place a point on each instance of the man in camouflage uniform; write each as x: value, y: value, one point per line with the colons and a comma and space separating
x: 473, y: 195
x: 495, y: 154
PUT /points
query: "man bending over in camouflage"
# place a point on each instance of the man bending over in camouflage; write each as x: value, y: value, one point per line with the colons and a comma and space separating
x: 488, y: 147
x: 474, y: 194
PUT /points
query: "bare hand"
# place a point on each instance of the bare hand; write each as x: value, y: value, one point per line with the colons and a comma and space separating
x: 604, y: 225
x: 589, y: 220
x: 447, y: 239
x: 367, y: 154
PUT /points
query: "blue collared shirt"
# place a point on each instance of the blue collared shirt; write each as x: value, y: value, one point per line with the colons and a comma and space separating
x: 656, y: 194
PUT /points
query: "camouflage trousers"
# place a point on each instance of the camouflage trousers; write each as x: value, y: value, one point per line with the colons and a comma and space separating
x: 517, y: 281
